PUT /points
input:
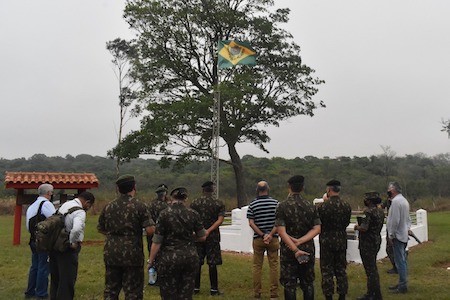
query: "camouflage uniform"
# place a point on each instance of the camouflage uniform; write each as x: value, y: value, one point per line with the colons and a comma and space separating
x: 298, y: 216
x: 122, y: 221
x: 335, y: 216
x: 209, y: 209
x: 369, y: 245
x: 155, y: 208
x: 177, y: 260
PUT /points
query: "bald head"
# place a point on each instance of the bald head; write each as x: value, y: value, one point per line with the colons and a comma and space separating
x: 262, y: 188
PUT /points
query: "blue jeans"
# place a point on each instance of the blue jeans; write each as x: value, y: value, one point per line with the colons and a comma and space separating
x: 38, y: 274
x: 401, y: 263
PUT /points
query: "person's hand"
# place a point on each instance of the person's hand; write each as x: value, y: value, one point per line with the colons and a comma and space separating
x: 301, y: 252
x: 267, y: 239
x: 389, y: 241
x: 149, y: 264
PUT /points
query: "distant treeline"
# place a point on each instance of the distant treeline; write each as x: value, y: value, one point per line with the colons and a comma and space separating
x: 422, y: 177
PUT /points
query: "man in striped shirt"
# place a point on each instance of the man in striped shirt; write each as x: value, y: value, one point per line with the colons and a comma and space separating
x: 261, y: 218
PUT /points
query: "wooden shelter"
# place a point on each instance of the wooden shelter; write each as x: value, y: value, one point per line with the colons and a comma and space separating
x: 22, y: 181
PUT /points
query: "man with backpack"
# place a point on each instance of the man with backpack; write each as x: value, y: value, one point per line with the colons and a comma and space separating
x: 64, y: 265
x: 41, y: 209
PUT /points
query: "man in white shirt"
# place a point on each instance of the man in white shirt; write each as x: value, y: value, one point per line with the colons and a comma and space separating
x: 64, y: 265
x: 41, y: 209
x: 398, y: 223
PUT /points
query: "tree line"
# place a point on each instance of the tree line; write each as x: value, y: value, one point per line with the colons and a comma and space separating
x: 422, y: 177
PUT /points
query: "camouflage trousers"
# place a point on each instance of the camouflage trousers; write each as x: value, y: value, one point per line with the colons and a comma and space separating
x: 369, y: 260
x: 128, y: 278
x: 292, y: 274
x: 333, y: 263
x: 176, y: 276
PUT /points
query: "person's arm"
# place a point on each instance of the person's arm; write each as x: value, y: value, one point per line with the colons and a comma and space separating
x: 308, y: 236
x: 79, y: 221
x: 287, y: 239
x: 215, y: 225
x: 153, y: 251
x: 255, y: 228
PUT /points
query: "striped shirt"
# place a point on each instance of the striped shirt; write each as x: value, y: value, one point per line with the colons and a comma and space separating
x: 262, y: 211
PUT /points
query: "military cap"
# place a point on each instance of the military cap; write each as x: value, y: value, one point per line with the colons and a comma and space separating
x: 124, y: 179
x: 373, y: 196
x: 207, y: 183
x: 162, y: 188
x: 298, y: 179
x: 179, y: 193
x: 333, y: 182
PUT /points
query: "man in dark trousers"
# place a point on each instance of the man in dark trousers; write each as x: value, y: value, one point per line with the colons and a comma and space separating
x: 122, y: 221
x: 41, y: 209
x: 212, y: 213
x: 369, y: 228
x: 297, y: 224
x: 64, y: 265
x: 335, y: 216
x: 261, y: 218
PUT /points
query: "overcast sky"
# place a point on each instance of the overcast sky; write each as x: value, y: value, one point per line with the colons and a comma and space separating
x: 386, y: 65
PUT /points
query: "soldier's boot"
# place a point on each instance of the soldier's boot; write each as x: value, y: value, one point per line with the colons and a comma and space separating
x: 308, y: 293
x: 342, y: 297
x: 290, y: 294
x: 328, y: 297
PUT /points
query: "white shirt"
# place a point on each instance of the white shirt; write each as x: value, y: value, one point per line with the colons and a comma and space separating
x: 399, y: 222
x: 47, y: 209
x: 75, y: 221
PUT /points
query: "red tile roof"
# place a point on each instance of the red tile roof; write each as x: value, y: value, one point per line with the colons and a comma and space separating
x: 58, y: 180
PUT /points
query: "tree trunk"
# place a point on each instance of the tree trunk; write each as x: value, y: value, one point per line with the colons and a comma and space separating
x: 239, y: 176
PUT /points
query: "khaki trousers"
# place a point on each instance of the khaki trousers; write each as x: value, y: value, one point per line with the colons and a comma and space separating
x: 259, y: 247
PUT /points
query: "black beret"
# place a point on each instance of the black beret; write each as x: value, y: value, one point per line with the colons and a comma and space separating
x: 208, y: 183
x: 124, y: 179
x: 333, y: 182
x: 373, y: 196
x: 162, y: 188
x: 179, y: 193
x: 298, y: 179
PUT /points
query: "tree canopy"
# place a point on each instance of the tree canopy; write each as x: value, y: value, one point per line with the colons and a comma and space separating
x: 174, y: 62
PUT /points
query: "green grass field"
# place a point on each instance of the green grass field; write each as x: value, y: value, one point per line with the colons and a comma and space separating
x: 428, y: 275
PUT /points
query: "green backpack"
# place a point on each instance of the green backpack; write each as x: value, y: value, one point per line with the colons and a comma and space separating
x: 51, y: 233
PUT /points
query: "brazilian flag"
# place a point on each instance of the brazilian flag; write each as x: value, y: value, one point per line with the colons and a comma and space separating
x: 233, y: 53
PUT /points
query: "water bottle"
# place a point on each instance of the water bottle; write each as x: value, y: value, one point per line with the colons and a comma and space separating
x: 151, y: 276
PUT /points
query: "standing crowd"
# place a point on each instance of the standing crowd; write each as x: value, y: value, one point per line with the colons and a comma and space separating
x: 181, y: 238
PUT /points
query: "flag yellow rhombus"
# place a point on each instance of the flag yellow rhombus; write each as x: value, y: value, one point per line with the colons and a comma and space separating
x: 234, y: 52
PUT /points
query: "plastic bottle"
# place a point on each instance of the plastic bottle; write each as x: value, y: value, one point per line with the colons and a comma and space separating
x: 151, y: 276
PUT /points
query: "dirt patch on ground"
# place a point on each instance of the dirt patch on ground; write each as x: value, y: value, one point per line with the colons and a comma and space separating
x: 93, y: 242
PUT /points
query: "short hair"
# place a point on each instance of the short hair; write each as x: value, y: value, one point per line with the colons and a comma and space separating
x: 43, y: 189
x: 262, y: 186
x: 88, y: 196
x: 179, y: 193
x: 126, y: 187
x: 208, y: 186
x: 396, y: 186
x: 296, y: 183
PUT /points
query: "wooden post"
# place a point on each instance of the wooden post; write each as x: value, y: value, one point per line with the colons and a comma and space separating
x: 17, y: 224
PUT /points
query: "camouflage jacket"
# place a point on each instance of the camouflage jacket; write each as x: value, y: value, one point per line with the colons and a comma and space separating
x: 156, y: 206
x: 209, y: 210
x: 122, y: 220
x: 372, y: 221
x: 298, y: 216
x: 175, y: 231
x: 335, y: 216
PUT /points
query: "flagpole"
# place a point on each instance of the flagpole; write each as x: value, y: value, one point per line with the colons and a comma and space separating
x: 215, y: 137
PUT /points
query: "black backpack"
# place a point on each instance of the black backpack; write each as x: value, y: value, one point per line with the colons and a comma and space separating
x: 34, y: 221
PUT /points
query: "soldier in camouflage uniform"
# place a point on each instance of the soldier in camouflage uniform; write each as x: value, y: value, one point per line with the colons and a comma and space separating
x: 335, y: 216
x: 212, y: 213
x: 297, y: 223
x: 174, y: 247
x: 122, y: 221
x: 156, y: 206
x: 369, y: 243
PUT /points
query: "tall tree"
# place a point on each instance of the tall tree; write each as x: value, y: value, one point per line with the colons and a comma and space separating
x: 175, y: 64
x: 120, y: 52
